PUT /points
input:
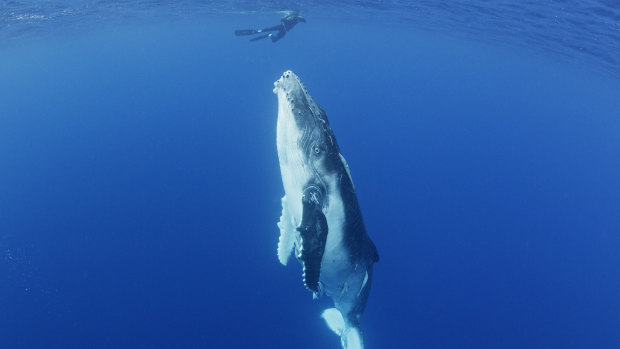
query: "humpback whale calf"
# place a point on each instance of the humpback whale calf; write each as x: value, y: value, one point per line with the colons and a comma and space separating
x: 321, y: 222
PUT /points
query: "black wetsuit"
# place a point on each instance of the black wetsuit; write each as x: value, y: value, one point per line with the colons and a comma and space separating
x: 288, y: 22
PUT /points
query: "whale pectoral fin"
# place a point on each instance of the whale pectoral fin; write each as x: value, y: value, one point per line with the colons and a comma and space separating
x: 286, y: 243
x: 313, y: 230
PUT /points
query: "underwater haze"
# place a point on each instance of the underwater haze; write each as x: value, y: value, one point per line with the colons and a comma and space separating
x: 140, y: 186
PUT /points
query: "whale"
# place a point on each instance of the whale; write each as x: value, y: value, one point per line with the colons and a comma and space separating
x: 321, y: 222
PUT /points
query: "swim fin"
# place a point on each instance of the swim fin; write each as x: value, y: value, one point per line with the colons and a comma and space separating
x: 260, y: 37
x: 242, y: 32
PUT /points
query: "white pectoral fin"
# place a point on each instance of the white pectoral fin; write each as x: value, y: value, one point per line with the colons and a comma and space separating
x: 287, y: 234
x: 350, y: 337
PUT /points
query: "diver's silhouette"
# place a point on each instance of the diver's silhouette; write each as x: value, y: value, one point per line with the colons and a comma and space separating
x: 290, y: 19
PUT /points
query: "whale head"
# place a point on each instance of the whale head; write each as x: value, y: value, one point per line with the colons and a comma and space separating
x: 303, y: 128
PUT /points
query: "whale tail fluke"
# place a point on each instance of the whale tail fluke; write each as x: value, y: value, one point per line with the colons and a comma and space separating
x: 350, y: 337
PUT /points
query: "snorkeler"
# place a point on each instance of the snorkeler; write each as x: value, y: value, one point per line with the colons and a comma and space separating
x: 290, y: 19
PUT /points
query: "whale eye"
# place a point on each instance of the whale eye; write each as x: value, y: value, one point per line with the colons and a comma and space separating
x: 317, y: 149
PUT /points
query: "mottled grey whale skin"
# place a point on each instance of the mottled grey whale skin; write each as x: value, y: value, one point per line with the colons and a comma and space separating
x: 321, y: 220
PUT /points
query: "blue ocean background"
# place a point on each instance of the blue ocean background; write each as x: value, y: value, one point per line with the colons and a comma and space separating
x: 140, y: 185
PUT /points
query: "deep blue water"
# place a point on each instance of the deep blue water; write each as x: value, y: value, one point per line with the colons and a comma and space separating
x: 140, y: 187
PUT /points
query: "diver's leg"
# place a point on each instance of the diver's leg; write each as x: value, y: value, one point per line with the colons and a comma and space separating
x: 278, y: 36
x: 240, y: 32
x: 272, y: 29
x: 260, y: 37
x: 243, y: 32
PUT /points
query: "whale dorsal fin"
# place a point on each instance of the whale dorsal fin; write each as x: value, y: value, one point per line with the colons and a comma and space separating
x: 313, y: 231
